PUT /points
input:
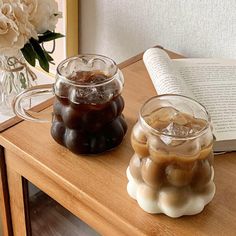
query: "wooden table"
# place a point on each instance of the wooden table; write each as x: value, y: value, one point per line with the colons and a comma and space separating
x: 94, y: 188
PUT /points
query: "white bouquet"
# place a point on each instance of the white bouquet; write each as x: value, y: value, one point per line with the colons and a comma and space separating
x: 25, y: 25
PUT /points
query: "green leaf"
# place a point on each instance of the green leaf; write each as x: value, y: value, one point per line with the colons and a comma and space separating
x: 43, y: 62
x: 48, y: 36
x: 23, y: 81
x: 29, y: 54
x: 49, y: 58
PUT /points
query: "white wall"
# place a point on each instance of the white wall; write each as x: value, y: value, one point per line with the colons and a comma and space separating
x: 123, y: 28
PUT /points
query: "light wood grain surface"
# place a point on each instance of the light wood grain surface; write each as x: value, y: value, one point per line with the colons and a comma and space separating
x: 94, y: 188
x: 16, y: 194
x: 5, y: 224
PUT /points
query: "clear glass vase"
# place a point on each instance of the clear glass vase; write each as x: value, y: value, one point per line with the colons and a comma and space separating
x: 15, y: 76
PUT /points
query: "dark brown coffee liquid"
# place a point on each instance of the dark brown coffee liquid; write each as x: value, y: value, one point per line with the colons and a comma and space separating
x: 88, y: 128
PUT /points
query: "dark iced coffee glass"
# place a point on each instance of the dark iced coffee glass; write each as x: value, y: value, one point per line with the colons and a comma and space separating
x: 87, y: 110
x: 171, y: 171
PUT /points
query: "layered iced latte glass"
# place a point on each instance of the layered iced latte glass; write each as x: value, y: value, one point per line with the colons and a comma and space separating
x: 171, y: 171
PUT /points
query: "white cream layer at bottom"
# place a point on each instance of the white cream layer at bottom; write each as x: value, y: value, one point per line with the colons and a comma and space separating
x: 193, y: 203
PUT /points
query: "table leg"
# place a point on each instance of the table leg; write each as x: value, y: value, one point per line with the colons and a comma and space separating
x: 18, y: 191
x: 4, y: 198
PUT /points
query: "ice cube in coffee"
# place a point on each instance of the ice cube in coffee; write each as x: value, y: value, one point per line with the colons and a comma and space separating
x: 87, y: 111
x: 171, y: 171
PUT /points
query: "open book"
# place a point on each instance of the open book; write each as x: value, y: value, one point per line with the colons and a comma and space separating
x: 212, y: 82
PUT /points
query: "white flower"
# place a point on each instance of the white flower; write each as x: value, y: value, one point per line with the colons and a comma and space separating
x: 21, y: 21
x: 31, y: 7
x: 8, y: 36
x: 46, y: 16
x: 15, y: 29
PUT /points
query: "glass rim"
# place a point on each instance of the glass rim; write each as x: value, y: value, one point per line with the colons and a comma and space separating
x: 189, y: 136
x: 82, y: 84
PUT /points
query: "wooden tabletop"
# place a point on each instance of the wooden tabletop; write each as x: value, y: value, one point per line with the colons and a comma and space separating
x: 94, y: 188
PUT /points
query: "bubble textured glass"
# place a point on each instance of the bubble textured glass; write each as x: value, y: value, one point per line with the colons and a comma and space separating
x: 172, y: 171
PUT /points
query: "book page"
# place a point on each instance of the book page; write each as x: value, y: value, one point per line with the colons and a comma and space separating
x: 213, y: 83
x: 165, y: 77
